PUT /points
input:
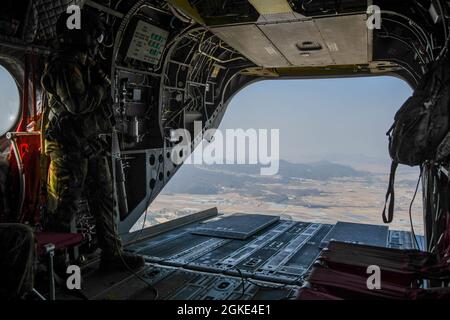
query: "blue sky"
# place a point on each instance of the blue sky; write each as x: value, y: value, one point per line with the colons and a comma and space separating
x: 322, y: 119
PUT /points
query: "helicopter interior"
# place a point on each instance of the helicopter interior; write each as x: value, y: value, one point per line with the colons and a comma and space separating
x: 176, y: 62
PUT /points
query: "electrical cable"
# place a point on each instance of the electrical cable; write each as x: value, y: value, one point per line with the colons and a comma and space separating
x: 180, y: 15
x: 242, y: 284
x: 406, y: 43
x: 441, y: 9
x: 446, y: 34
x: 444, y: 49
x: 244, y: 279
x: 406, y: 67
x: 151, y: 287
x: 426, y: 45
x: 418, y: 32
x: 119, y: 249
x: 138, y: 237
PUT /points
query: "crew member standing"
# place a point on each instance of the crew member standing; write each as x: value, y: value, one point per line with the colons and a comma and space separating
x: 75, y: 138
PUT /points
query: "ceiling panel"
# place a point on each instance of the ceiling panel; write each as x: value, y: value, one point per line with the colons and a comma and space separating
x: 288, y: 35
x: 252, y: 43
x: 346, y: 38
x: 271, y: 6
x: 336, y: 40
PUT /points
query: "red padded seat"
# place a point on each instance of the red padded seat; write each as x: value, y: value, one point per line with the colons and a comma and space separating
x: 59, y: 240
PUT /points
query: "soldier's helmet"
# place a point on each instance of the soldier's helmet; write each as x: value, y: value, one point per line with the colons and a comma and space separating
x: 90, y: 34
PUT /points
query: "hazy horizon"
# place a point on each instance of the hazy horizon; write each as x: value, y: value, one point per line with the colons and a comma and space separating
x: 338, y: 120
x: 322, y: 119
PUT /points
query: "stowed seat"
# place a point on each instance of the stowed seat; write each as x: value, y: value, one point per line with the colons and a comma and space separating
x: 49, y: 242
x: 341, y: 273
x: 352, y: 286
x: 398, y: 266
x: 58, y: 240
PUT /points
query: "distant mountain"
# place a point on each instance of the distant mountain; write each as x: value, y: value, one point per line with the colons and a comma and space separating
x: 199, y: 180
x: 351, y: 159
x: 322, y: 171
x: 216, y: 178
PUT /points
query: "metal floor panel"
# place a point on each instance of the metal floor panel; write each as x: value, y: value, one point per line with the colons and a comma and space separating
x: 310, y: 251
x: 171, y: 248
x: 260, y: 257
x: 270, y: 265
x: 282, y: 253
x: 237, y: 226
x: 178, y: 284
x: 405, y: 240
x: 359, y: 234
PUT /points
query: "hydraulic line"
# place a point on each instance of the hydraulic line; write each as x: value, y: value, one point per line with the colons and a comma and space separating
x: 387, y: 35
x: 214, y: 58
x: 419, y: 32
x: 180, y: 16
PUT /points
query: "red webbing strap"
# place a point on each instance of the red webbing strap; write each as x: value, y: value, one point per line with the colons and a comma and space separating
x: 30, y: 153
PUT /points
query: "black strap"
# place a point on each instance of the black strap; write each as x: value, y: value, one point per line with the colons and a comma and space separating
x: 390, y: 195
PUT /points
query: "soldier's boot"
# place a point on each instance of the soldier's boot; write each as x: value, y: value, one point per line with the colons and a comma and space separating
x: 101, y: 201
x: 120, y: 262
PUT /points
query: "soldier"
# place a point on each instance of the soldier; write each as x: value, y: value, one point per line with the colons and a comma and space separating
x: 75, y: 138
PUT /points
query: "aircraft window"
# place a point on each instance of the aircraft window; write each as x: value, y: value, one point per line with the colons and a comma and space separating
x: 334, y: 163
x: 10, y: 101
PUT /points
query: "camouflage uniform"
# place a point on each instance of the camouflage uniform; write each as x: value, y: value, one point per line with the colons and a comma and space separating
x: 79, y: 166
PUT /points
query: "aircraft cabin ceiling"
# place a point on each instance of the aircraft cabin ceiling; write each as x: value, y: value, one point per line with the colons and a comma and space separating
x: 309, y: 38
x: 337, y: 40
